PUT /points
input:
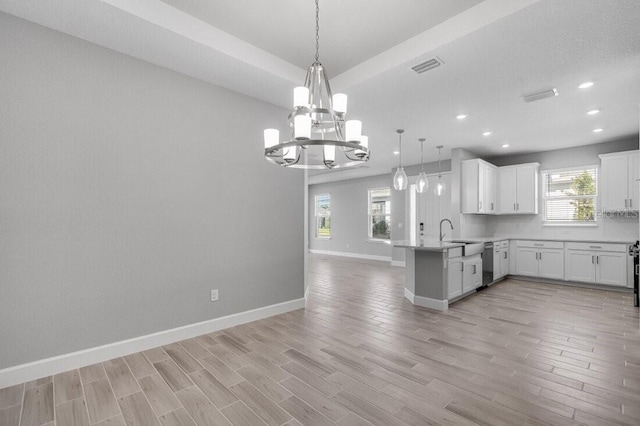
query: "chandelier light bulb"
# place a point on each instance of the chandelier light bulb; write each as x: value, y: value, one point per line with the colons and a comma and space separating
x: 302, y: 126
x: 271, y: 137
x: 300, y: 97
x: 290, y: 154
x: 353, y: 130
x: 440, y: 187
x: 340, y: 103
x: 329, y: 153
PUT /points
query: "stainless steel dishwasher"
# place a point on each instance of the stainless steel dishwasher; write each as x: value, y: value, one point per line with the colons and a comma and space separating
x: 487, y: 264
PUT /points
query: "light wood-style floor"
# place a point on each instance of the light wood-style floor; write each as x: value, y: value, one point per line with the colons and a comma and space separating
x: 518, y: 353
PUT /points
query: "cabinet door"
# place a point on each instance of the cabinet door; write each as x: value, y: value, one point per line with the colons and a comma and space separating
x: 482, y: 181
x: 491, y: 205
x: 471, y: 275
x: 551, y: 263
x: 611, y: 268
x: 527, y: 261
x: 504, y: 261
x: 471, y: 186
x: 634, y: 175
x: 507, y: 191
x: 580, y: 266
x: 454, y: 278
x: 614, y: 182
x: 527, y: 189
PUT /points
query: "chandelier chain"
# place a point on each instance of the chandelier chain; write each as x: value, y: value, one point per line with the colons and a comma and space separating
x: 317, y: 31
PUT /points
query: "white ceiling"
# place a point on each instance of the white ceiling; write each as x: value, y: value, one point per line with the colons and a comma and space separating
x: 494, y: 51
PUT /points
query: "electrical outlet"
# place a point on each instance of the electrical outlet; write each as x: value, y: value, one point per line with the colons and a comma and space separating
x: 214, y: 295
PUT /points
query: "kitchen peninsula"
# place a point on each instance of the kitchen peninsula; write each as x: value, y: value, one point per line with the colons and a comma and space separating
x: 433, y: 267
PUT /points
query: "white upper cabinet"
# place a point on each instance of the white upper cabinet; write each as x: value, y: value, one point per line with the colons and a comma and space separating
x: 479, y: 187
x: 619, y: 181
x: 518, y: 189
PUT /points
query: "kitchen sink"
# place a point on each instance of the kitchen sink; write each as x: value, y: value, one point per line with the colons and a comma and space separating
x: 470, y: 248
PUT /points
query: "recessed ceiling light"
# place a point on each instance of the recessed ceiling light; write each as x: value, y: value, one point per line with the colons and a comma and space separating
x: 461, y: 116
x: 486, y: 133
x: 597, y: 130
x: 506, y: 145
x: 396, y: 152
x: 586, y: 85
x: 593, y: 112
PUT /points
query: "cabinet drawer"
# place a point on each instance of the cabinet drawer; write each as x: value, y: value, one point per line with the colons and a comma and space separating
x: 540, y: 244
x: 504, y: 244
x: 620, y: 248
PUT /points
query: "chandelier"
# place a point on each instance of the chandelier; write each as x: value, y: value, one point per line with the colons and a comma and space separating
x: 320, y: 136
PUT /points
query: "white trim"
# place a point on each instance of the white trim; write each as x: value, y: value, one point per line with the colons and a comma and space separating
x: 348, y: 254
x: 400, y: 263
x: 410, y: 296
x: 439, y: 305
x: 306, y: 295
x: 58, y: 364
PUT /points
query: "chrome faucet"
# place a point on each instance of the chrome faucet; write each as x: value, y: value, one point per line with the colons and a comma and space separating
x: 441, y: 233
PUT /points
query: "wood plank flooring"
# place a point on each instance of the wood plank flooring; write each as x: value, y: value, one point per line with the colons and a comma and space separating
x: 518, y: 353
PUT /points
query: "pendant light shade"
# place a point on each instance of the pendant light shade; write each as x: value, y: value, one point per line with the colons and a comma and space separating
x: 400, y: 178
x: 422, y: 183
x: 440, y: 187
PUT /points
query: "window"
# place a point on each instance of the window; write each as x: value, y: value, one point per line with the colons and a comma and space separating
x: 323, y: 216
x: 570, y: 196
x: 380, y: 214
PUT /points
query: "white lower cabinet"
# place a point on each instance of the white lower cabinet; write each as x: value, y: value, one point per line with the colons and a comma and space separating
x: 543, y: 259
x: 471, y: 273
x: 597, y: 263
x: 500, y: 259
x: 454, y: 277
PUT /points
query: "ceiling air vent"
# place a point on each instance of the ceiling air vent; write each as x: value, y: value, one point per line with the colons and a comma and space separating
x: 532, y: 97
x: 427, y: 65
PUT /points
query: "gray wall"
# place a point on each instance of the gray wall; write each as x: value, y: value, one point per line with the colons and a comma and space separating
x: 349, y: 213
x: 127, y: 193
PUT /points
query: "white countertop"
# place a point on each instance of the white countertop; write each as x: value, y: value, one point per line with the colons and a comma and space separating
x: 538, y: 238
x: 426, y: 245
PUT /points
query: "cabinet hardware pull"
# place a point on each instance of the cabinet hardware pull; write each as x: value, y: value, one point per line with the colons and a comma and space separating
x: 595, y: 246
x: 479, y: 205
x: 475, y: 269
x: 505, y: 254
x: 597, y: 260
x: 491, y: 206
x: 462, y: 266
x: 593, y: 259
x: 540, y: 256
x: 538, y: 245
x: 625, y: 203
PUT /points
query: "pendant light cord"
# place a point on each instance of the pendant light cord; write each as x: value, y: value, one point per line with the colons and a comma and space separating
x: 399, y: 149
x: 317, y: 31
x: 422, y: 154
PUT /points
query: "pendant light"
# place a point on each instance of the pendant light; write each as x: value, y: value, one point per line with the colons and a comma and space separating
x: 400, y: 178
x: 440, y: 186
x: 422, y: 184
x: 321, y: 137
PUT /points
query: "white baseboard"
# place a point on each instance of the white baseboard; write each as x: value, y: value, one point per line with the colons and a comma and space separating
x: 354, y: 255
x: 58, y: 364
x: 425, y: 302
x: 399, y: 263
x: 410, y: 296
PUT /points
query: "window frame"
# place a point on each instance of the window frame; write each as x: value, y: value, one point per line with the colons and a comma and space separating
x: 570, y: 223
x: 370, y: 215
x: 317, y: 216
